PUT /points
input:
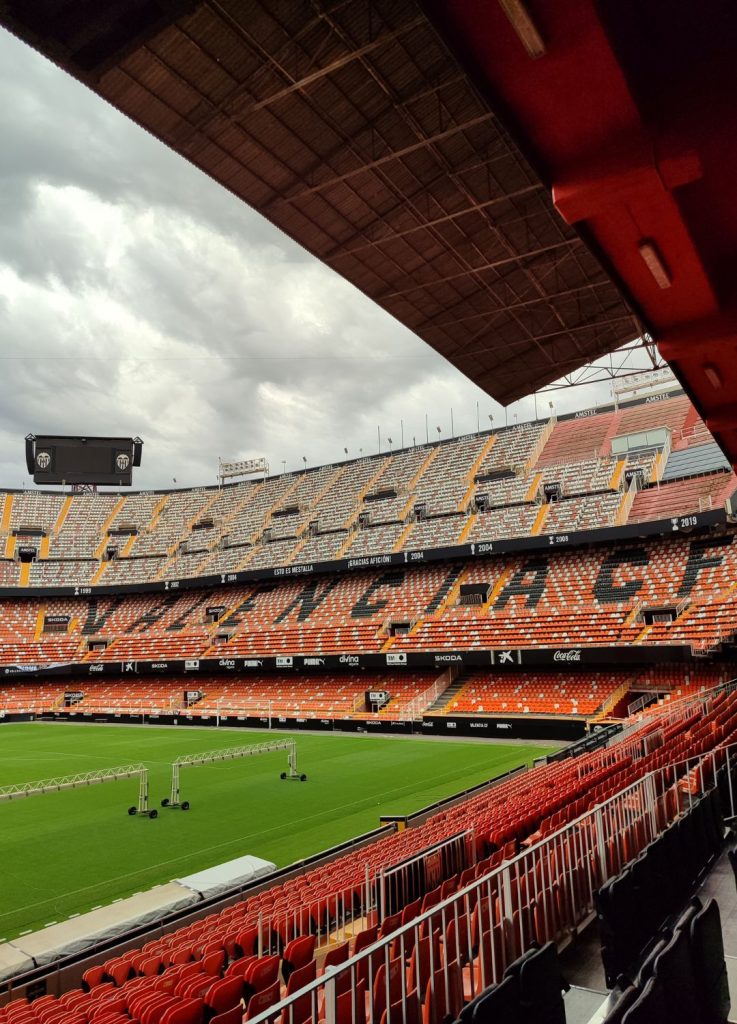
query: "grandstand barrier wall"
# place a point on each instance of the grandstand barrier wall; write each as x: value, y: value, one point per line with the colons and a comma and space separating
x: 422, y: 556
x: 531, y: 727
x: 500, y: 658
x: 421, y: 816
x: 599, y: 737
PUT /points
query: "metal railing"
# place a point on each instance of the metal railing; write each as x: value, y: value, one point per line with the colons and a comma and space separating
x: 413, y: 709
x: 544, y: 893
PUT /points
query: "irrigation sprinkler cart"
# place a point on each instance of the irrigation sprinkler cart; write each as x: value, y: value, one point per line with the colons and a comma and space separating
x: 230, y: 754
x: 63, y: 782
x: 143, y: 807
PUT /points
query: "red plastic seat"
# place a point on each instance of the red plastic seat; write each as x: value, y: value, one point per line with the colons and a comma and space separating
x: 232, y: 1016
x: 404, y: 1011
x: 387, y: 986
x: 350, y: 1007
x: 225, y: 994
x: 247, y: 939
x: 189, y: 1011
x: 297, y: 954
x: 239, y: 967
x: 304, y: 1008
x: 443, y: 1000
x: 262, y: 973
x: 336, y: 956
x: 262, y: 1001
x: 213, y: 962
x: 93, y: 977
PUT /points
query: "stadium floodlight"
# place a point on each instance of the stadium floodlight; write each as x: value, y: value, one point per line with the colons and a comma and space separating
x: 245, y: 467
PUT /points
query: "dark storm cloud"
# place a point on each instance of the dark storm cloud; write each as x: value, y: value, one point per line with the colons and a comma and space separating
x: 137, y: 296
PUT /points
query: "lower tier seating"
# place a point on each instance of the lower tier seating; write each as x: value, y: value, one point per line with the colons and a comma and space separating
x: 294, y: 696
x: 548, y: 693
x: 243, y: 959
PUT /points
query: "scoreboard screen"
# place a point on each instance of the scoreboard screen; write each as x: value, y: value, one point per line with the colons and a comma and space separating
x: 82, y: 460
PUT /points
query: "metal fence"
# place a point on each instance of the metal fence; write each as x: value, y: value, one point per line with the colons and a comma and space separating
x: 542, y: 894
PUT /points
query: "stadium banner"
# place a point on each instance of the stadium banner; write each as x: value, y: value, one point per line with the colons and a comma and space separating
x: 512, y: 659
x: 487, y: 727
x: 482, y: 549
x: 519, y: 727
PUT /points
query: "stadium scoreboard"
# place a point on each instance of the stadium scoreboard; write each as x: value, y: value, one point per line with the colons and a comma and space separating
x: 54, y: 459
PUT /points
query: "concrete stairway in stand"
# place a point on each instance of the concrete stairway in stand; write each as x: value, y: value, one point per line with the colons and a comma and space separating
x: 441, y: 702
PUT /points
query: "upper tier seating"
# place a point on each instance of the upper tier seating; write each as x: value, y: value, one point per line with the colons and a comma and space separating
x: 418, y: 498
x: 79, y: 535
x: 668, y: 412
x: 697, y: 494
x: 449, y: 476
x: 578, y: 440
x: 36, y: 509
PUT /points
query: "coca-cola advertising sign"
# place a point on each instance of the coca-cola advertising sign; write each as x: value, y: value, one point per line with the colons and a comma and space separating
x: 567, y: 655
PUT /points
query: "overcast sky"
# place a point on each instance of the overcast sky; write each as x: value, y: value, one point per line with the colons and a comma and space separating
x: 139, y: 297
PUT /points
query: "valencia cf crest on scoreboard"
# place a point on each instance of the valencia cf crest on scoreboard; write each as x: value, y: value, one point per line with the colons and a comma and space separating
x: 107, y: 461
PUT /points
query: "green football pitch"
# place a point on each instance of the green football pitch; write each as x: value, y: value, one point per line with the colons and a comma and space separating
x: 65, y: 853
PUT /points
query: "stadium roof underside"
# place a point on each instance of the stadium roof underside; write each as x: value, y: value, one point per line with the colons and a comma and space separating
x: 354, y: 128
x: 629, y: 110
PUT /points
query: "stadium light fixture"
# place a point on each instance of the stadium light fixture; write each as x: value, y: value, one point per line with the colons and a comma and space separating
x: 525, y: 28
x: 713, y: 376
x: 655, y: 263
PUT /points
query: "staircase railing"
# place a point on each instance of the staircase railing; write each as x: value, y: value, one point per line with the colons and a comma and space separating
x: 626, y: 503
x: 420, y: 703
